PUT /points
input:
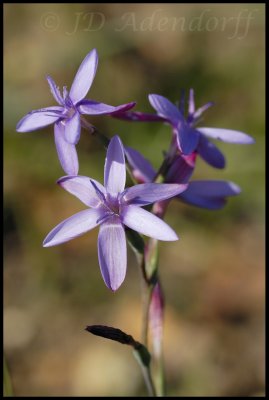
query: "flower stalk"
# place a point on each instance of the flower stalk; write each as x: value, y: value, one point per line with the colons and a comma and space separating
x: 118, y: 211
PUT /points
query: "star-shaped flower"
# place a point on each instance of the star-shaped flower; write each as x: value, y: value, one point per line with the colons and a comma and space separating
x: 67, y: 116
x: 112, y: 207
x: 186, y: 136
x: 190, y: 138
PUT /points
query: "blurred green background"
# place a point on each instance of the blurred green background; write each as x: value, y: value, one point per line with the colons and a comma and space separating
x: 213, y: 277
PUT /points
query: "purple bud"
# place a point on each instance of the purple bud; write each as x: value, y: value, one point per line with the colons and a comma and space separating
x: 156, y: 312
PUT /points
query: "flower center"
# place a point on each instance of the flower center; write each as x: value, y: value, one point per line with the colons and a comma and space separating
x: 113, y: 204
x: 70, y: 111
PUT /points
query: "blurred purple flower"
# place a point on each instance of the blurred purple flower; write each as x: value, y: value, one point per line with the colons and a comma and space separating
x: 209, y: 194
x: 188, y: 138
x: 66, y: 116
x: 112, y: 207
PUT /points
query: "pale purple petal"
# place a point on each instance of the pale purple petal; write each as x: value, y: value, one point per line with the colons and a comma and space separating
x: 112, y: 252
x: 147, y: 223
x: 92, y: 107
x: 55, y: 91
x: 66, y: 96
x: 72, y: 129
x: 84, y: 77
x: 165, y: 108
x: 142, y: 168
x: 73, y: 227
x: 148, y: 193
x: 182, y: 169
x: 82, y: 188
x: 209, y: 194
x: 66, y: 152
x: 38, y: 119
x: 191, y: 103
x: 227, y: 135
x: 187, y: 138
x: 115, y: 172
x: 210, y: 153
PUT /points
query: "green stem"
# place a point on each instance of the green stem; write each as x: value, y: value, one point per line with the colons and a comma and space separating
x: 149, y: 269
x: 147, y: 292
x: 149, y: 381
x: 94, y: 131
x: 146, y: 375
x: 159, y: 210
x: 160, y: 385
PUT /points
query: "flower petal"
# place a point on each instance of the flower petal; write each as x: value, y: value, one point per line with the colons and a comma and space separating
x: 214, y: 203
x: 227, y: 135
x: 37, y: 119
x: 92, y: 107
x: 72, y: 129
x: 112, y: 252
x: 115, y: 172
x: 202, y: 109
x: 147, y: 223
x: 84, y: 77
x: 191, y: 108
x: 181, y: 169
x: 209, y: 194
x: 74, y: 226
x: 213, y: 188
x: 138, y: 116
x: 66, y: 152
x: 142, y: 169
x: 55, y: 91
x: 165, y: 108
x: 187, y: 138
x: 148, y: 193
x: 82, y: 188
x: 210, y: 153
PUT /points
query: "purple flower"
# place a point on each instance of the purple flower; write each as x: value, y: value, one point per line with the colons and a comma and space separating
x: 112, y: 207
x: 209, y: 194
x: 188, y: 137
x: 67, y: 116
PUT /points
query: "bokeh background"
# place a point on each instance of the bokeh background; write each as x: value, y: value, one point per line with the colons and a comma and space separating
x: 213, y: 277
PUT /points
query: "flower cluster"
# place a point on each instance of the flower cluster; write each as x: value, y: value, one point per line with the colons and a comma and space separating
x: 111, y: 206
